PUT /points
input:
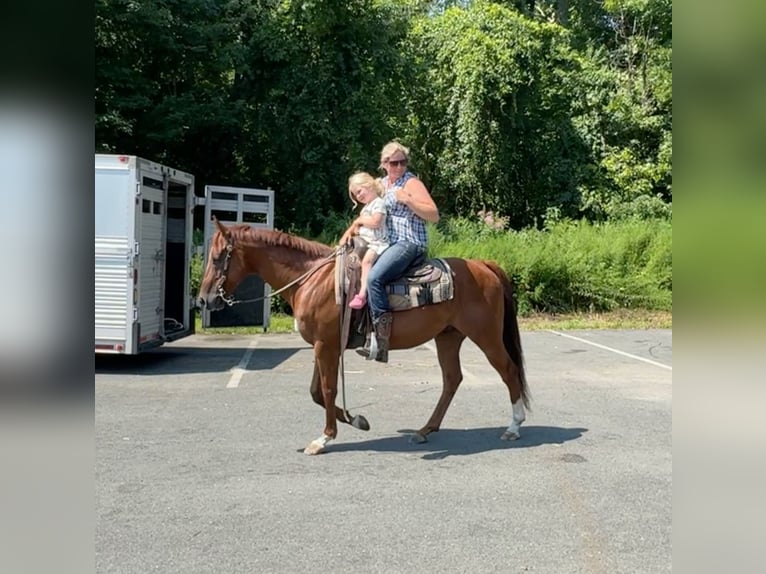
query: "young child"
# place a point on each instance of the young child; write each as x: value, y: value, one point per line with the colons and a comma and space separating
x: 370, y: 225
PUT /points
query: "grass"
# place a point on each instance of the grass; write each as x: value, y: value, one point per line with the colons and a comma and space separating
x: 279, y: 323
x: 622, y: 319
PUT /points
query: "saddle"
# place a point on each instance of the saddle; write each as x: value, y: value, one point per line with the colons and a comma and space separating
x: 425, y: 282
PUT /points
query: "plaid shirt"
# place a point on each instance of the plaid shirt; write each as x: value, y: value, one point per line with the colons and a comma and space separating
x: 403, y: 223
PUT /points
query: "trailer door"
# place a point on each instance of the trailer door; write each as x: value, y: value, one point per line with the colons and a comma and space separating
x: 115, y: 196
x: 150, y: 235
x: 233, y: 205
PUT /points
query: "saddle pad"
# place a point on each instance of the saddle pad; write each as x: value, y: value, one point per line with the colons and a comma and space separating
x: 403, y: 294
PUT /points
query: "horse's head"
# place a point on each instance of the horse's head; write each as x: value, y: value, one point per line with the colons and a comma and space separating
x: 223, y: 272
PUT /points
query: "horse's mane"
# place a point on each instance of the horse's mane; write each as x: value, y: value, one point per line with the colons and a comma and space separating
x: 277, y: 238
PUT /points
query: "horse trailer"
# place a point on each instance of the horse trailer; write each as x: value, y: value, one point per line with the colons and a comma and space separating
x: 143, y: 235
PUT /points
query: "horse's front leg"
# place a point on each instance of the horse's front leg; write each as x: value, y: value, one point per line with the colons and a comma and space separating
x: 318, y: 398
x: 326, y: 358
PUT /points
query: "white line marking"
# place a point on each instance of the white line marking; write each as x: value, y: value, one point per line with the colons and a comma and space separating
x: 669, y: 368
x: 466, y: 373
x: 239, y: 370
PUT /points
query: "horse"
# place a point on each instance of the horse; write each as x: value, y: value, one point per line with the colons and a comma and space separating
x: 482, y: 309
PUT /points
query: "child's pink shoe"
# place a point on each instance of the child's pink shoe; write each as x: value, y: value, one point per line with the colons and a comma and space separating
x: 358, y: 302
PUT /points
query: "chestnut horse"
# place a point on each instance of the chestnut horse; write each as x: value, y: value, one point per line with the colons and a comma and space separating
x: 482, y: 309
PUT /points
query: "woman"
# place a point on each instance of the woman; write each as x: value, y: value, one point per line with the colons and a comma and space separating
x: 409, y: 206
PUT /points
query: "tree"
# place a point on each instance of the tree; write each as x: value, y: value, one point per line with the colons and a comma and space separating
x: 627, y: 115
x: 163, y: 75
x: 516, y: 106
x: 493, y: 112
x: 320, y: 84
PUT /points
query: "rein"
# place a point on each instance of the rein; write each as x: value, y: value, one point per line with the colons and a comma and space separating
x: 231, y: 301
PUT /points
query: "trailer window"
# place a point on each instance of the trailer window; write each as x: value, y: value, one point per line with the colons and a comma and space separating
x: 253, y: 217
x: 256, y: 198
x: 151, y: 182
x: 146, y: 206
x: 224, y: 195
x: 156, y: 208
x: 221, y: 215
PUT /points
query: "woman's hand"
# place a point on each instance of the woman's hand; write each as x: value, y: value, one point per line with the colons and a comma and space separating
x: 403, y: 196
x: 415, y: 196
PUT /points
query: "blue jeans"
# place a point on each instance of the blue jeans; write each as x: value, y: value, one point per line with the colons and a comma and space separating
x: 390, y: 265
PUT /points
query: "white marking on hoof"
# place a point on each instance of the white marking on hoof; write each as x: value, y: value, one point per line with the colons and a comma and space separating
x: 510, y: 435
x: 317, y: 446
x: 417, y: 438
x: 513, y: 432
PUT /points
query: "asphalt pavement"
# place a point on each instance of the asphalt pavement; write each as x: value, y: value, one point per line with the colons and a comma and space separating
x: 200, y: 465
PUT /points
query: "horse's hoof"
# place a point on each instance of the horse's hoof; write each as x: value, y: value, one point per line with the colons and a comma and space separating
x: 418, y: 438
x: 508, y: 435
x: 314, y: 448
x: 359, y: 422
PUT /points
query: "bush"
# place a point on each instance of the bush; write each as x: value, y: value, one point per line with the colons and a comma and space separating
x: 196, y: 272
x: 572, y: 266
x: 566, y: 267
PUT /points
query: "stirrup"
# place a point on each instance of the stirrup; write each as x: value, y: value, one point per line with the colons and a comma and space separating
x: 364, y: 352
x: 373, y: 347
x: 370, y: 353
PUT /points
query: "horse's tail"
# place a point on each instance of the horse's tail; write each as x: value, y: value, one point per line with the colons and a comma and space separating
x: 511, y: 335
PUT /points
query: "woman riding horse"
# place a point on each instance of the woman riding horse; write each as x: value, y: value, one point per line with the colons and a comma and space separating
x: 482, y: 309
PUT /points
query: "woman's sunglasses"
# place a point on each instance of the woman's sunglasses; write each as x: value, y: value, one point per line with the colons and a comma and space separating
x: 397, y: 162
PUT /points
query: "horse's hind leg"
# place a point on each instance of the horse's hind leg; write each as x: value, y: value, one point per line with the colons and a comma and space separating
x: 448, y: 344
x: 490, y: 340
x: 498, y: 357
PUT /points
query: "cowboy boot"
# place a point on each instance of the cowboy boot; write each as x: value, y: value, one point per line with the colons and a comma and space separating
x: 382, y: 334
x: 376, y: 343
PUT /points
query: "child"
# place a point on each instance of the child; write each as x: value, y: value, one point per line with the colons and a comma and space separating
x: 370, y: 225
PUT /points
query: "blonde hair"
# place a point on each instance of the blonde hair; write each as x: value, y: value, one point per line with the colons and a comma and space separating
x: 390, y: 149
x: 364, y: 179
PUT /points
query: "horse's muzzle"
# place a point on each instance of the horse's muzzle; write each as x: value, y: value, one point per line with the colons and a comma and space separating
x: 214, y: 303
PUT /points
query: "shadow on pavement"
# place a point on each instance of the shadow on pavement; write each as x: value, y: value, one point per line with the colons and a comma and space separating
x: 454, y: 442
x: 182, y: 360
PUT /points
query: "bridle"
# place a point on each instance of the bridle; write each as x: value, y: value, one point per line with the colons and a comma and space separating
x: 230, y: 300
x: 224, y: 275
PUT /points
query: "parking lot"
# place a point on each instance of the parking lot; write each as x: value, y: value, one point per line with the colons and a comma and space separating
x: 199, y: 462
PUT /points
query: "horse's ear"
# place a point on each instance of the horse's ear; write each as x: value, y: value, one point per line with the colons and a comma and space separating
x: 221, y: 227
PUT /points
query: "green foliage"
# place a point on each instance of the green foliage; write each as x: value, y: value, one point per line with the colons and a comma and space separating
x: 565, y: 267
x: 278, y: 323
x: 626, y: 114
x: 196, y: 272
x: 572, y: 266
x: 494, y: 105
x: 317, y: 79
x: 332, y: 227
x: 163, y: 77
x: 535, y: 115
